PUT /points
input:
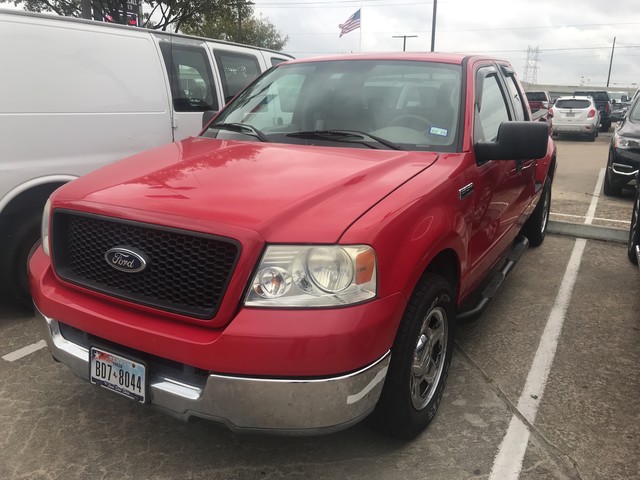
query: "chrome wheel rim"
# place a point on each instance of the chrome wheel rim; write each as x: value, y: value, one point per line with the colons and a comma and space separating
x: 545, y: 211
x: 428, y: 357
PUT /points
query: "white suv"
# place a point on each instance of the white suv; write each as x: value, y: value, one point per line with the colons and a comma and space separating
x: 576, y: 115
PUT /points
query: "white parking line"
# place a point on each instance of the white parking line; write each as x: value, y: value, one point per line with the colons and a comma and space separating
x: 23, y: 352
x: 508, y: 462
x: 600, y: 219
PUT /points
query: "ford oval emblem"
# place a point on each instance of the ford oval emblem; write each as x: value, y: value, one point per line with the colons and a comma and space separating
x: 125, y: 260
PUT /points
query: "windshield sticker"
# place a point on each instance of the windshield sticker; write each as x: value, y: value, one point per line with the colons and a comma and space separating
x: 443, y: 132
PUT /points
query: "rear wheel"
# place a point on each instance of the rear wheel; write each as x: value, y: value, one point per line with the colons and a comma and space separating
x: 420, y: 360
x: 535, y: 229
x: 634, y: 231
x: 593, y: 135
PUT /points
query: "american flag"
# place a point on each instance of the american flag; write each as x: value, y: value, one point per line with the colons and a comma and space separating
x: 351, y: 24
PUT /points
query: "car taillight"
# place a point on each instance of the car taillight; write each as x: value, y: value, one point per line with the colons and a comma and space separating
x: 551, y: 111
x: 592, y: 113
x: 607, y: 108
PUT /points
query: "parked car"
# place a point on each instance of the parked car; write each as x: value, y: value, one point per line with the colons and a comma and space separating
x: 576, y: 116
x: 303, y: 262
x: 623, y: 160
x: 79, y: 94
x: 620, y: 102
x: 633, y: 246
x: 603, y: 104
x: 539, y: 100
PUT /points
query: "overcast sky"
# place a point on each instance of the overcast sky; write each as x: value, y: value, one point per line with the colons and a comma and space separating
x: 574, y: 37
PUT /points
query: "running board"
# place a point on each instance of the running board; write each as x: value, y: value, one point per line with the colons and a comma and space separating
x: 520, y: 244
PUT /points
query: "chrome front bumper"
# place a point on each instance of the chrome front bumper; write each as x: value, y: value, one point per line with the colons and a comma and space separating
x: 289, y: 406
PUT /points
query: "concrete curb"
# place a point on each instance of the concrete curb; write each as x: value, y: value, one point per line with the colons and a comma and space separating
x: 590, y: 232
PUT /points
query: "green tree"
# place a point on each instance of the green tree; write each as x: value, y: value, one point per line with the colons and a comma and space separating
x: 224, y: 24
x: 160, y: 15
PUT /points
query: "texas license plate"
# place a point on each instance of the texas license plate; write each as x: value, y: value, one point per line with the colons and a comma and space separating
x: 118, y: 374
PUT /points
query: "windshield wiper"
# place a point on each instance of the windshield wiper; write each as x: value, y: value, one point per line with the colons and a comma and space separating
x: 241, y: 128
x: 346, y: 134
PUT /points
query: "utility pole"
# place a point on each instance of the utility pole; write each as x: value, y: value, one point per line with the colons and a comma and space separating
x: 240, y: 4
x: 433, y: 26
x: 85, y: 6
x: 611, y: 61
x: 404, y: 43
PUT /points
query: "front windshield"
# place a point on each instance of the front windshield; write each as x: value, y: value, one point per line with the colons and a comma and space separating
x: 410, y: 104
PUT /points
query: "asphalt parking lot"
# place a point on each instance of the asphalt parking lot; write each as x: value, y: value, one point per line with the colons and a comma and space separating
x: 544, y: 385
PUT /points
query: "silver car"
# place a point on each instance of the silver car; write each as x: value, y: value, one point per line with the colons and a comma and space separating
x: 577, y: 116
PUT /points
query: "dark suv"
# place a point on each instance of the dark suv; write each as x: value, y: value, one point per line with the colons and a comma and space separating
x: 603, y: 102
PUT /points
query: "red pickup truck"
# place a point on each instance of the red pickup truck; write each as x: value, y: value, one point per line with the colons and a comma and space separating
x: 302, y: 263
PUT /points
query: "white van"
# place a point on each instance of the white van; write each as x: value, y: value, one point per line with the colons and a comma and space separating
x: 76, y: 94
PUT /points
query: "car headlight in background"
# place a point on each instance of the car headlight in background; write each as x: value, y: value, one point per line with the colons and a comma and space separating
x: 625, y: 142
x: 313, y: 276
x: 44, y: 227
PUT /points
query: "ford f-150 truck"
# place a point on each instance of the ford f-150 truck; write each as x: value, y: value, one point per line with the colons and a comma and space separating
x: 301, y: 264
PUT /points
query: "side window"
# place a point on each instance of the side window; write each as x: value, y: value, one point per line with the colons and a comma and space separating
x: 275, y: 61
x: 493, y: 109
x: 516, y: 97
x: 190, y: 78
x: 237, y: 70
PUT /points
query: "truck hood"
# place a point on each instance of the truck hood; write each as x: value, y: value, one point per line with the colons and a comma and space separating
x: 285, y: 193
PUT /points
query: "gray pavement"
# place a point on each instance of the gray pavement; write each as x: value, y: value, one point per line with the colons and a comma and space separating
x: 56, y: 426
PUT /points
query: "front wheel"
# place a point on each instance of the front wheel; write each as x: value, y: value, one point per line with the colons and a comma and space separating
x: 634, y: 231
x: 20, y: 237
x: 420, y: 360
x: 609, y: 189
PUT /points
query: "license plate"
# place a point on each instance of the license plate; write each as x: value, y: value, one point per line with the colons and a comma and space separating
x: 118, y: 374
x: 571, y: 114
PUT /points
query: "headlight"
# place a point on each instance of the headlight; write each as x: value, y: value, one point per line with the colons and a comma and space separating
x: 313, y: 276
x: 625, y: 142
x: 44, y: 227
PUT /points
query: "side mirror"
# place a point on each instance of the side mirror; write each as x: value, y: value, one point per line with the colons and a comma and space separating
x: 515, y: 141
x: 613, y: 101
x: 207, y: 116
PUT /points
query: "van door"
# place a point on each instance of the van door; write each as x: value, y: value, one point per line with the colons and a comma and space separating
x: 193, y: 85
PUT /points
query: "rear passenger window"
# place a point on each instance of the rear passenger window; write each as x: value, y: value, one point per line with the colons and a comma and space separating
x: 275, y: 61
x: 237, y: 70
x: 516, y: 97
x: 190, y: 77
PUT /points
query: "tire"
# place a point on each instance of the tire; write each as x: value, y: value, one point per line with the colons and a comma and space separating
x: 535, y: 228
x: 592, y: 137
x: 609, y: 189
x: 420, y: 360
x: 634, y: 231
x: 14, y: 255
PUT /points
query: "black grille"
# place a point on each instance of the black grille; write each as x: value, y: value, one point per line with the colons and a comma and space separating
x: 187, y: 272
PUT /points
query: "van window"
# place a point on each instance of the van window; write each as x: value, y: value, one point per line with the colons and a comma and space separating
x: 237, y: 70
x: 190, y: 78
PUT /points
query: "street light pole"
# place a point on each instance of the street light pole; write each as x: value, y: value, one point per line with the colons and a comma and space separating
x: 404, y: 42
x: 611, y: 61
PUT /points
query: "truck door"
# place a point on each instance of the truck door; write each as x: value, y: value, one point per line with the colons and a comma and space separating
x: 500, y: 186
x: 192, y: 83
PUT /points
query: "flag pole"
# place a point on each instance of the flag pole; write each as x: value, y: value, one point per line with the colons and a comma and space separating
x: 360, y: 44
